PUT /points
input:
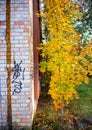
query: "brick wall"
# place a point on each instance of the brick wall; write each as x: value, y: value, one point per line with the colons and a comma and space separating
x: 22, y: 82
x: 3, y: 73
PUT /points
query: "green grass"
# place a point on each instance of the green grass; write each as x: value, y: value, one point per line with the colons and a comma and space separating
x: 83, y: 105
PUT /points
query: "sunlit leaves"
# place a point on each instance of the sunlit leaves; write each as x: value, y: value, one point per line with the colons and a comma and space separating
x: 62, y: 56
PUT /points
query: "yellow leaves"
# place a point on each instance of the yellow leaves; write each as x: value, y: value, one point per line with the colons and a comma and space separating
x: 43, y: 66
x: 77, y: 6
x: 87, y: 50
x: 53, y: 93
x: 86, y: 80
x: 68, y: 62
x: 59, y: 15
x: 58, y: 106
x: 86, y: 59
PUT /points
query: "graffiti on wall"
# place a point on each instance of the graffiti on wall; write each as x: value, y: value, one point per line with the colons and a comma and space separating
x: 17, y: 73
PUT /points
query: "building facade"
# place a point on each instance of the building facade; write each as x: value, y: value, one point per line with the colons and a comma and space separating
x: 19, y: 76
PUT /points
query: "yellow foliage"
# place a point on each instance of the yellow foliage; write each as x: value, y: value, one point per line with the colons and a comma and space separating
x: 68, y: 62
x: 86, y: 80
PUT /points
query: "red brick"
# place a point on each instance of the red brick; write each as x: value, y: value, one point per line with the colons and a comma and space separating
x: 26, y: 29
x: 15, y: 113
x: 2, y: 23
x: 18, y: 23
x: 16, y: 9
x: 21, y: 116
x: 20, y: 101
x: 26, y: 120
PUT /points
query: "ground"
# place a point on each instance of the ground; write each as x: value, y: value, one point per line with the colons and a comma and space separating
x: 78, y: 114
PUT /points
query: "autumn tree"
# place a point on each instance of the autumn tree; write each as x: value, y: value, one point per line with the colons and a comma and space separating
x: 84, y: 25
x: 62, y: 56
